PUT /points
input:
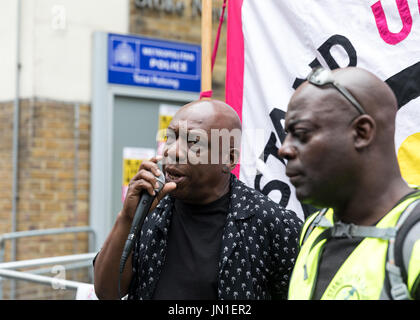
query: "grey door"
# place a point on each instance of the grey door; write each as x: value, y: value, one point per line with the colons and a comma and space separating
x: 135, y: 122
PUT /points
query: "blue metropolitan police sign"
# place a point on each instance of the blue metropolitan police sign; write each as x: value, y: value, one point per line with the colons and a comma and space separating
x: 140, y: 61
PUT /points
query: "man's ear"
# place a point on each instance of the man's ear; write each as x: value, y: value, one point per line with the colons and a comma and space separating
x: 233, y: 158
x: 364, y: 131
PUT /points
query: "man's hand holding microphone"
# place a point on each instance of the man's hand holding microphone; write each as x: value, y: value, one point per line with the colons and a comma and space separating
x: 113, y: 262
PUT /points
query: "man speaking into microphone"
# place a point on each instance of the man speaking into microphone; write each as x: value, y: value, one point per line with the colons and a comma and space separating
x: 207, y: 235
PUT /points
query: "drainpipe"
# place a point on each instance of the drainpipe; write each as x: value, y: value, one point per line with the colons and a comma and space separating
x: 16, y: 113
x: 15, y: 154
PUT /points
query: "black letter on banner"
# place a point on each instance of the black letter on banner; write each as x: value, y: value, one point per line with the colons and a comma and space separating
x: 276, y: 115
x: 274, y: 185
x: 271, y: 149
x: 298, y: 81
x: 406, y: 84
x: 325, y: 49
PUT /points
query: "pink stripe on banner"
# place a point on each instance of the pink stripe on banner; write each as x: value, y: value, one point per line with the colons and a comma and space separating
x: 235, y: 60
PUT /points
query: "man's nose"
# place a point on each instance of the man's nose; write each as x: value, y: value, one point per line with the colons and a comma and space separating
x: 287, y: 150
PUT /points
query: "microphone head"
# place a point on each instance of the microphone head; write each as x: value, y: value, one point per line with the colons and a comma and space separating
x: 161, y: 179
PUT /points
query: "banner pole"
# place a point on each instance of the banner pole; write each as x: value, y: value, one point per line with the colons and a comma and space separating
x: 206, y: 35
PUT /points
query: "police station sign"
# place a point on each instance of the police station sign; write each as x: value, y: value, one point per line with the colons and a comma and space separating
x: 141, y: 61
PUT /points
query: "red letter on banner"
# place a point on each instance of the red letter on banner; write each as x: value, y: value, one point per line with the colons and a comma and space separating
x: 407, y: 21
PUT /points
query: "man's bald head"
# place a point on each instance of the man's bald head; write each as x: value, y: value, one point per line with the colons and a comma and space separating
x: 371, y: 92
x: 216, y: 113
x: 374, y: 94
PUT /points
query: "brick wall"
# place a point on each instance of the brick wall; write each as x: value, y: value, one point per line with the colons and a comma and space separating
x: 49, y: 195
x: 6, y: 137
x: 187, y: 28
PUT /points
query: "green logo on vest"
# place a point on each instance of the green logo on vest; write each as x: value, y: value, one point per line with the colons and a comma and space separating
x: 348, y: 287
x: 347, y: 292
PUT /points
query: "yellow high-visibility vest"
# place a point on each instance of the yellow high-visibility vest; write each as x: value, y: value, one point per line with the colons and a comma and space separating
x: 362, y: 275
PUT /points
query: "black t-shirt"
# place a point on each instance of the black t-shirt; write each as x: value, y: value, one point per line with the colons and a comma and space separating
x: 333, y: 256
x: 190, y: 270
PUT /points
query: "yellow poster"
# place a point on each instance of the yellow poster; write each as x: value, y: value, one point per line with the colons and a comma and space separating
x: 166, y: 113
x: 132, y: 159
x: 130, y: 168
x: 164, y: 121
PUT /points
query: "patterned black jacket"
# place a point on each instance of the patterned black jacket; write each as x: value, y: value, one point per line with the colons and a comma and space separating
x: 259, y: 247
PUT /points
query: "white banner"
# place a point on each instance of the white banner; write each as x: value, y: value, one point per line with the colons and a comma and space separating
x: 272, y: 46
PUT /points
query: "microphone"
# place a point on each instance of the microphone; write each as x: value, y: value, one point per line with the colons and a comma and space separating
x: 142, y: 210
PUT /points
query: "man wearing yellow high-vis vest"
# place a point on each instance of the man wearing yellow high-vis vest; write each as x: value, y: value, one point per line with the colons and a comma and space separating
x: 341, y: 156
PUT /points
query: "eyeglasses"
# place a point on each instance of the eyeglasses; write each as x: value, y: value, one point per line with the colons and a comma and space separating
x: 320, y: 76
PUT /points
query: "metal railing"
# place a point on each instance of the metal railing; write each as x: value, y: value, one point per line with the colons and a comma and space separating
x: 12, y: 274
x: 70, y: 261
x: 44, y: 232
x: 78, y: 260
x: 47, y: 261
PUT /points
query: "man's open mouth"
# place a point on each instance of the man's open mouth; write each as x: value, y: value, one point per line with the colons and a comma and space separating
x: 174, y: 176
